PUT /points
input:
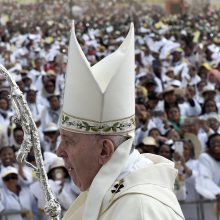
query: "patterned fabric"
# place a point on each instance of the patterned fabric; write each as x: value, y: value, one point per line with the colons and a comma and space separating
x: 82, y: 125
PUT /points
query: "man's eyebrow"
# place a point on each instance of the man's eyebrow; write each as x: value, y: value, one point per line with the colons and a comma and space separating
x: 64, y: 136
x: 70, y: 138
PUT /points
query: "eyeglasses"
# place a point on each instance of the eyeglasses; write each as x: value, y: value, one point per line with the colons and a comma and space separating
x: 10, y: 177
x: 215, y: 142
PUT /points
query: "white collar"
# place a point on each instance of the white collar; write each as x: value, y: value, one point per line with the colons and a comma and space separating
x: 135, y: 161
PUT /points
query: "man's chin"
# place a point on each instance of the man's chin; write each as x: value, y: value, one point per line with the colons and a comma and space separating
x: 77, y: 183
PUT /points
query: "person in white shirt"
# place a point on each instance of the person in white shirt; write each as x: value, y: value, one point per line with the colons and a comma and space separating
x: 51, y: 113
x: 15, y: 198
x: 208, y: 180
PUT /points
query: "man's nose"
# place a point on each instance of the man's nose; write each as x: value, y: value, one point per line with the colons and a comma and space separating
x: 59, y: 151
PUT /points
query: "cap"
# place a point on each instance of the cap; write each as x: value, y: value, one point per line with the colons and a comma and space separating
x: 100, y: 99
x: 207, y: 66
x: 149, y: 141
x: 208, y: 88
x: 213, y: 115
x: 8, y: 170
x: 175, y: 83
x: 49, y: 158
x: 168, y: 89
x: 58, y: 162
x: 50, y: 127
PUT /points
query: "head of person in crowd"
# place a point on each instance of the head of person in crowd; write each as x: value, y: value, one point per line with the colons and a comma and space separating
x: 165, y: 150
x: 200, y: 87
x: 172, y: 134
x: 141, y: 95
x: 169, y: 97
x: 31, y: 94
x: 152, y: 101
x: 213, y: 146
x: 4, y: 92
x: 148, y: 145
x: 149, y: 82
x: 213, y: 121
x: 190, y: 125
x: 27, y: 80
x: 154, y: 132
x: 177, y: 55
x: 188, y: 49
x: 51, y: 132
x: 142, y: 113
x: 9, y: 177
x: 20, y: 84
x: 57, y: 170
x: 18, y: 135
x: 213, y: 77
x: 188, y: 150
x: 182, y: 94
x: 4, y: 104
x: 208, y: 54
x: 203, y: 71
x: 174, y: 117
x: 50, y: 75
x: 209, y: 106
x: 54, y: 102
x: 170, y: 73
x: 58, y: 68
x: 38, y: 64
x: 7, y: 156
x: 209, y: 92
x: 49, y: 86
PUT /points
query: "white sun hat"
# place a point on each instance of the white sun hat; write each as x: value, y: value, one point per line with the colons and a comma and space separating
x: 100, y: 99
x: 8, y: 170
x: 50, y: 127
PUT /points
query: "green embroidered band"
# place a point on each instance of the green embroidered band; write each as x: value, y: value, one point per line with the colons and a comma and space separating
x: 86, y: 126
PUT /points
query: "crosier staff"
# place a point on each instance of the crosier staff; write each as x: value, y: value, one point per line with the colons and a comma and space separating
x: 31, y: 139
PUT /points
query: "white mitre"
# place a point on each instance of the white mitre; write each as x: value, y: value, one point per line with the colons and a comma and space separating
x: 100, y: 99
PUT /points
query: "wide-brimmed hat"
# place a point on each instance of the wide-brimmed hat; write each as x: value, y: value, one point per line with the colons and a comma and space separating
x: 195, y: 141
x: 150, y: 141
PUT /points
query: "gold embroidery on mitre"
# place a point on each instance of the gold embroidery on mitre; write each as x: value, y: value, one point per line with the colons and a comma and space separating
x: 89, y: 126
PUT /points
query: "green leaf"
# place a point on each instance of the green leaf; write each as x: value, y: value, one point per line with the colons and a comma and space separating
x: 85, y: 123
x: 64, y: 119
x: 115, y: 124
x: 107, y: 129
x: 94, y: 129
x: 114, y: 129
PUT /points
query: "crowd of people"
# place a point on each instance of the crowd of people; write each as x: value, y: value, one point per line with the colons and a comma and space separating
x: 177, y: 93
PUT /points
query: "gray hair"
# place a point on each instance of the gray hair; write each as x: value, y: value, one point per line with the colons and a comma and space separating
x: 116, y: 140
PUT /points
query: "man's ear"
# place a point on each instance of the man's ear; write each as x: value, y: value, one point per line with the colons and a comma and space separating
x: 107, y: 149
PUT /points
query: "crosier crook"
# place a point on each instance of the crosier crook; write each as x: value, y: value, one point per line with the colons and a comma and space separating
x: 31, y: 139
